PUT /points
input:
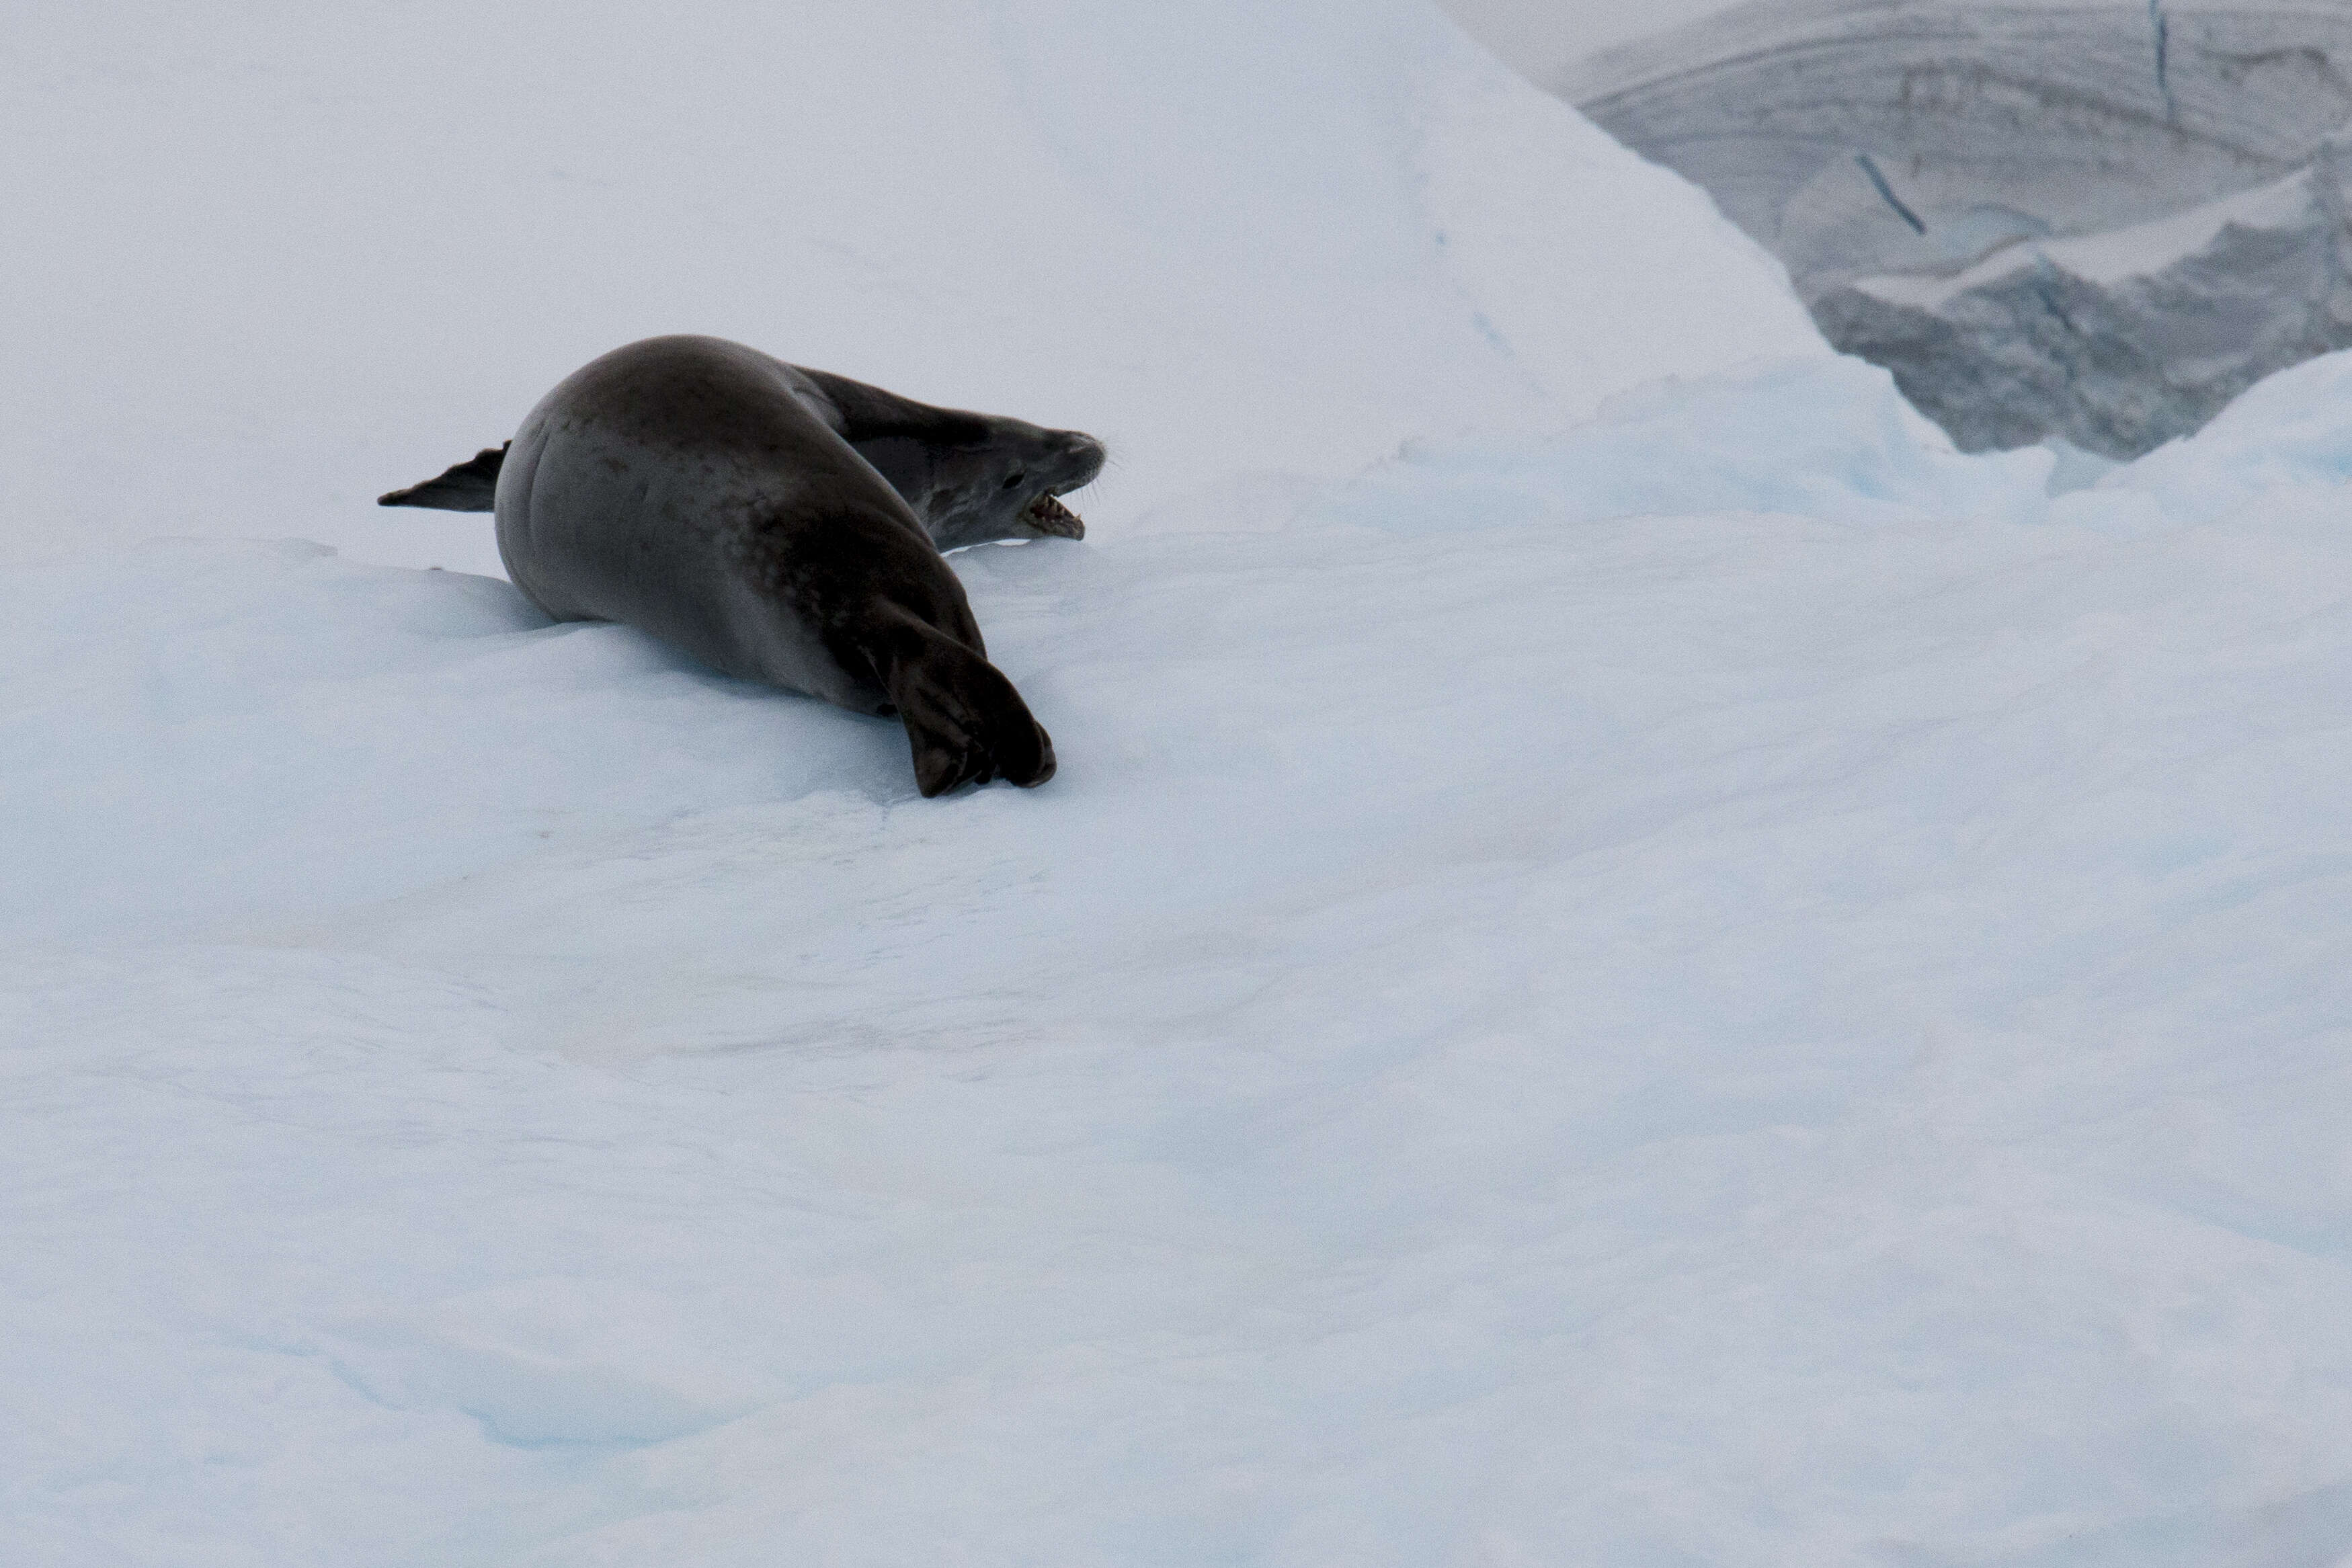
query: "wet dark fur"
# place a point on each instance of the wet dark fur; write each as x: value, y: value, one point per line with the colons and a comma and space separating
x: 684, y: 486
x: 972, y: 478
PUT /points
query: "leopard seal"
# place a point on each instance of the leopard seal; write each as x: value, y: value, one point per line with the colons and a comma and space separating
x: 972, y: 478
x: 691, y: 487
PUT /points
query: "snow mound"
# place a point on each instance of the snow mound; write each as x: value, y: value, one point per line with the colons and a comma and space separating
x: 1830, y: 439
x: 2291, y: 433
x: 339, y: 250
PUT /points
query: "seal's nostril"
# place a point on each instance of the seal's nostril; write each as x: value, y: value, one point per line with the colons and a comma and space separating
x: 1084, y: 455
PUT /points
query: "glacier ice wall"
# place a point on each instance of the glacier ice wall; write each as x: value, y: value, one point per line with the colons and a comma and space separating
x: 1922, y: 166
x: 2116, y: 343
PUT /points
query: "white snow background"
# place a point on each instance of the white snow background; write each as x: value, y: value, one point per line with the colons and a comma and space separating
x: 1631, y: 962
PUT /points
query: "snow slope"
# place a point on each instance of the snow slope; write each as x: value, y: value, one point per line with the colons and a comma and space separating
x: 283, y: 258
x: 1723, y: 984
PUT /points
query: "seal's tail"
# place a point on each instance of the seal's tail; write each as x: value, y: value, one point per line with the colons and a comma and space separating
x: 965, y: 723
x: 471, y: 487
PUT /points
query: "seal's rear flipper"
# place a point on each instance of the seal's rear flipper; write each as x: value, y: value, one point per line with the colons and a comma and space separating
x: 965, y: 723
x: 471, y: 487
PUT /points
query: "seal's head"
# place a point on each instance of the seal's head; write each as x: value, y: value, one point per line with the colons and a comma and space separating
x: 999, y: 479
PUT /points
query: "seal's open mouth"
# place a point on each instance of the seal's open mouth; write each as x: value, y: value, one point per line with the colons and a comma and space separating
x: 1048, y: 516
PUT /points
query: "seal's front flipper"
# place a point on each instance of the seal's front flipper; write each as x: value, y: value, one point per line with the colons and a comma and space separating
x: 471, y: 487
x: 965, y: 723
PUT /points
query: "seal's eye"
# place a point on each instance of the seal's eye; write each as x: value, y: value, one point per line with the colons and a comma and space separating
x: 1014, y: 482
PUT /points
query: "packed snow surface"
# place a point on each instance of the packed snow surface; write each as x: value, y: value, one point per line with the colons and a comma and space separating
x: 1665, y: 974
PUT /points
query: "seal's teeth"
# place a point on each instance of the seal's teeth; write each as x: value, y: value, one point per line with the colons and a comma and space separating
x: 1048, y: 516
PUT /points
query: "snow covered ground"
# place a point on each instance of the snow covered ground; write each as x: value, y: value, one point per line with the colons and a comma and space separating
x: 1615, y: 973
